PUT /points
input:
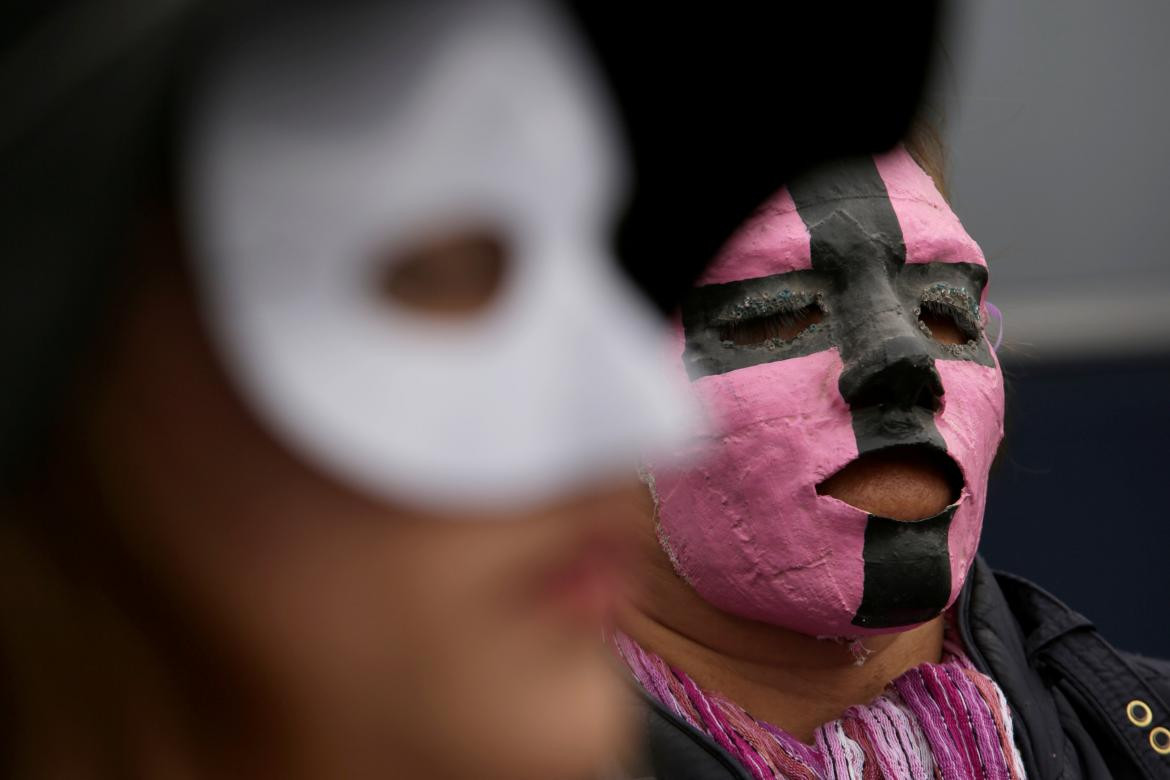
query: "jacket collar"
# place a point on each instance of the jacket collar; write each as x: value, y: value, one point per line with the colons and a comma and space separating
x: 1001, y: 647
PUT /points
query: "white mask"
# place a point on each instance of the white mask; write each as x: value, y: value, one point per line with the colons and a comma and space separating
x: 322, y: 142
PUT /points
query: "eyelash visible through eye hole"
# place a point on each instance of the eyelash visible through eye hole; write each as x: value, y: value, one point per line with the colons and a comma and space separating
x: 947, y: 323
x: 783, y: 325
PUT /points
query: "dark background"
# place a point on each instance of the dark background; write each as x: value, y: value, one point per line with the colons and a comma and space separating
x: 1057, y: 115
x: 1077, y: 499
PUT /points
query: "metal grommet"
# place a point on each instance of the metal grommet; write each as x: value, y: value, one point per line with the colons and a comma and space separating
x: 1139, y: 713
x: 1160, y: 740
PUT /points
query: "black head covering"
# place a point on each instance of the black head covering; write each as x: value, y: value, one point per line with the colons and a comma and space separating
x: 87, y: 89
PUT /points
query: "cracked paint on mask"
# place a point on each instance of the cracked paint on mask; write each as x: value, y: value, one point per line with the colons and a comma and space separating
x: 870, y: 241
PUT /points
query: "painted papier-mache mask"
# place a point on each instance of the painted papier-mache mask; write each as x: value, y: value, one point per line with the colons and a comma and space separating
x: 856, y: 252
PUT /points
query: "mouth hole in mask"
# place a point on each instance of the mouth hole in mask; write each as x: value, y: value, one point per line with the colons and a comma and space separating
x: 782, y: 325
x: 948, y: 315
x: 907, y: 482
x: 453, y: 275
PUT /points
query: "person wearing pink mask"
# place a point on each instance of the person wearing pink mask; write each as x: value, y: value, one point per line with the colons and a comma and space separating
x: 812, y: 601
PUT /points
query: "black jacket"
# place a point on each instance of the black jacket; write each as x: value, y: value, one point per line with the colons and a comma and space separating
x: 1069, y: 692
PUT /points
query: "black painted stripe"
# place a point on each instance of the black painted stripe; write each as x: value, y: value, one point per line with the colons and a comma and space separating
x: 863, y: 243
x: 706, y: 354
x: 875, y: 232
x: 907, y: 577
x: 706, y: 307
x: 907, y: 571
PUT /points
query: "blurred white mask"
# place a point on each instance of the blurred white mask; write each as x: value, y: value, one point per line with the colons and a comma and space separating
x: 323, y: 145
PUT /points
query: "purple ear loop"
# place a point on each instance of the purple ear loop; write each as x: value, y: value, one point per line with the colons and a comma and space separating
x: 994, y: 312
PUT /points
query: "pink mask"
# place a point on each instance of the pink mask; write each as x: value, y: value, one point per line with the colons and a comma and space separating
x: 865, y: 246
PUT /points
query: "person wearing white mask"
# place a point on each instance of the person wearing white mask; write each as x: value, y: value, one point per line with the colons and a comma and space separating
x: 343, y: 494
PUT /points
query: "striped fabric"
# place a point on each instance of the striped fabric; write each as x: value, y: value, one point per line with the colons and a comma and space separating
x: 944, y: 720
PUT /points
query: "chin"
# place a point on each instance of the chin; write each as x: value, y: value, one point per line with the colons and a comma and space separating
x: 567, y: 721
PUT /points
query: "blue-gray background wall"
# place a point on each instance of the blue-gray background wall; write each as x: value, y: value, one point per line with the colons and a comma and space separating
x: 1057, y: 118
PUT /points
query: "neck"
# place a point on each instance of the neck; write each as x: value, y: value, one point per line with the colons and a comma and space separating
x: 791, y: 680
x: 124, y: 679
x: 106, y: 678
x: 93, y: 696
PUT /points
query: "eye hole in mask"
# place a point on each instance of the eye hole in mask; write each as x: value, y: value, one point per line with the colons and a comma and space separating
x: 453, y: 274
x: 784, y: 324
x: 947, y: 315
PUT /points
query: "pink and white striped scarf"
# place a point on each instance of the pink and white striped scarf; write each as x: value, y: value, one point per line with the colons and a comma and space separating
x: 944, y: 720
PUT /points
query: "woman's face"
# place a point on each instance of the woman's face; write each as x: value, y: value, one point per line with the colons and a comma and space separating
x: 838, y: 343
x: 376, y: 637
x: 396, y: 224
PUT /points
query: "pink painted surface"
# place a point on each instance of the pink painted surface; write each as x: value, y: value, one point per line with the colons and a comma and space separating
x: 930, y: 230
x: 744, y: 524
x: 971, y: 424
x: 773, y: 240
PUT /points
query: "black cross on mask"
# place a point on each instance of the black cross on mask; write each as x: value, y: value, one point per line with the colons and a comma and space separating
x: 890, y: 321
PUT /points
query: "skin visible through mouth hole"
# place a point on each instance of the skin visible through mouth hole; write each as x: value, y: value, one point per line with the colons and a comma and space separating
x: 901, y: 483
